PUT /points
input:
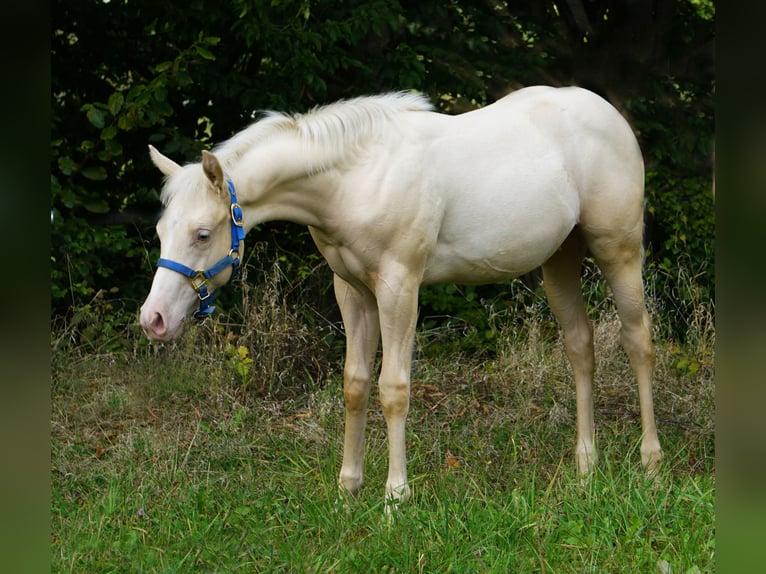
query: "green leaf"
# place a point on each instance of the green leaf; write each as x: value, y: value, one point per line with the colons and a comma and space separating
x: 66, y: 165
x: 114, y: 148
x: 205, y: 53
x: 96, y: 206
x: 163, y: 67
x: 115, y: 103
x: 109, y: 132
x: 96, y: 117
x: 95, y: 173
x: 126, y: 122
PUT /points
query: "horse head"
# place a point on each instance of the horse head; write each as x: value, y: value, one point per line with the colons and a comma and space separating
x: 200, y: 235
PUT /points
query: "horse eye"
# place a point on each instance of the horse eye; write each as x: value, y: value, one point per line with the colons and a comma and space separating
x: 203, y: 235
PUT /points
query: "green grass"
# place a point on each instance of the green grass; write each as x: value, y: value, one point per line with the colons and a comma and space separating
x: 166, y: 459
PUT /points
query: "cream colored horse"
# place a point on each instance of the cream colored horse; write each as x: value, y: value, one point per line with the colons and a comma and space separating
x: 396, y: 196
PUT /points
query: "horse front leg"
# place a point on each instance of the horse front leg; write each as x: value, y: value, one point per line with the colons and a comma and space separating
x: 360, y: 319
x: 397, y: 303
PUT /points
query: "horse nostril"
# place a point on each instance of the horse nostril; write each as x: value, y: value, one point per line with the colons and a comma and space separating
x: 155, y: 327
x: 158, y: 324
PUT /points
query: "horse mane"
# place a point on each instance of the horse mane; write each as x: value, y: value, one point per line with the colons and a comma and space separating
x: 329, y: 133
x: 332, y: 131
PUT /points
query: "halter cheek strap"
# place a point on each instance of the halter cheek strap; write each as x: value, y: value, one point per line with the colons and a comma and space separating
x: 199, y: 278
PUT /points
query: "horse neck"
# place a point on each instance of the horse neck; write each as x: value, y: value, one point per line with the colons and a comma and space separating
x: 281, y: 180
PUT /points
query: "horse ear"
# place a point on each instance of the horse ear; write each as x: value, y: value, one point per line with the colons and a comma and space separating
x: 165, y: 164
x: 213, y: 170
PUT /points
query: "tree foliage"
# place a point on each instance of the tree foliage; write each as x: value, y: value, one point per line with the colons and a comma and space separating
x: 183, y: 76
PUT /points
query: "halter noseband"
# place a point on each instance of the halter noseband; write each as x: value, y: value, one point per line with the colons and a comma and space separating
x: 199, y: 278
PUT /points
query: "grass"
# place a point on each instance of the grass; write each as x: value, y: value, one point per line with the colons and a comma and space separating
x: 183, y: 458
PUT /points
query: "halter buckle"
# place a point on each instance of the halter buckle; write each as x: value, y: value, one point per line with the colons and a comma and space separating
x: 198, y: 281
x: 237, y: 217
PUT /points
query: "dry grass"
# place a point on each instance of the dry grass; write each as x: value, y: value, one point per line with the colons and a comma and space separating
x: 102, y: 402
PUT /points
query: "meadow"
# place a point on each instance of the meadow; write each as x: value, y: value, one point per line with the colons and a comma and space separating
x: 219, y: 452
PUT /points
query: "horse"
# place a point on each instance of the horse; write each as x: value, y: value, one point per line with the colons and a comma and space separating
x: 396, y: 195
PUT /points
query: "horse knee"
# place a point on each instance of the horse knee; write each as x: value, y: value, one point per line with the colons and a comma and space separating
x: 637, y: 343
x: 578, y: 344
x: 356, y: 391
x: 579, y: 341
x: 394, y: 397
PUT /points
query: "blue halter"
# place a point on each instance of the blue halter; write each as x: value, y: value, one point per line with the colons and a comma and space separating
x: 199, y: 278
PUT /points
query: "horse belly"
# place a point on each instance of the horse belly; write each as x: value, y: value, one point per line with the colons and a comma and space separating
x: 494, y: 237
x: 492, y: 257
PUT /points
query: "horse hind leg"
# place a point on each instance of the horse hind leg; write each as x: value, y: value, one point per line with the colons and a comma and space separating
x: 561, y: 280
x: 621, y: 260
